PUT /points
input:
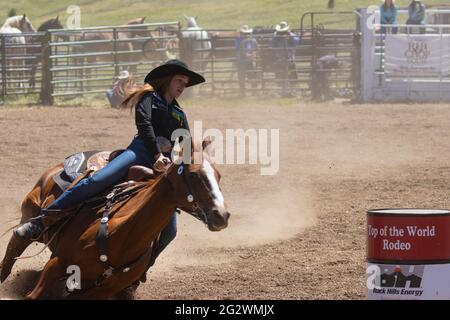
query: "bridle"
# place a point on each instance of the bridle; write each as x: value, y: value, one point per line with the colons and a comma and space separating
x: 196, y: 211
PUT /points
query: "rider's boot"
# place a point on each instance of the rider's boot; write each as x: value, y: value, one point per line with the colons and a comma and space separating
x: 31, y: 230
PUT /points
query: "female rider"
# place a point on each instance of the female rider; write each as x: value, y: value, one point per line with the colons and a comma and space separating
x: 157, y: 114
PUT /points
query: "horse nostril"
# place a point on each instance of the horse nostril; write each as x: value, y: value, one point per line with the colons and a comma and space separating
x: 216, y: 213
x: 221, y: 216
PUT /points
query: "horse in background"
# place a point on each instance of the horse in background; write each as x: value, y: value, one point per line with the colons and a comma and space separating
x: 198, y: 43
x: 163, y: 44
x: 108, y: 46
x: 38, y: 49
x: 15, y: 44
x: 21, y: 23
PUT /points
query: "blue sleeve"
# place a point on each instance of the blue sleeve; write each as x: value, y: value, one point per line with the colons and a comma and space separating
x: 382, y: 15
x: 237, y: 42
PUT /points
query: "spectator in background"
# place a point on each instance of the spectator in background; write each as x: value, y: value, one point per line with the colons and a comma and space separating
x: 283, y: 45
x: 388, y: 16
x: 246, y: 49
x: 117, y: 94
x: 416, y: 13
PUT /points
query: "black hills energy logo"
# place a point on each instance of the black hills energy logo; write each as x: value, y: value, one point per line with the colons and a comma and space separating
x: 402, y: 281
x: 397, y: 279
x: 417, y: 52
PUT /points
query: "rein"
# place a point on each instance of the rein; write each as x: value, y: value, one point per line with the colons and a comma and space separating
x: 196, y: 211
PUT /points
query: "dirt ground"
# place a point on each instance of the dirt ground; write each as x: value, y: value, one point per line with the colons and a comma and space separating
x: 297, y: 235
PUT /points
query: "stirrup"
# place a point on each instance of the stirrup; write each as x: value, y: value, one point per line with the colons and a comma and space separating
x: 31, y: 230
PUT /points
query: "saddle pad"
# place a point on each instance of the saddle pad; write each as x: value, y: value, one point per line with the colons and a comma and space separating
x: 74, y: 166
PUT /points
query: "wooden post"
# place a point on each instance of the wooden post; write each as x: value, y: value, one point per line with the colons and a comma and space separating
x: 212, y: 56
x: 47, y: 77
x: 314, y: 84
x: 116, y: 66
x: 356, y: 66
x: 186, y: 47
x: 3, y: 55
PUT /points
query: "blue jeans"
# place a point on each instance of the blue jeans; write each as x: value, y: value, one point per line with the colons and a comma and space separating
x: 393, y: 28
x: 114, y: 172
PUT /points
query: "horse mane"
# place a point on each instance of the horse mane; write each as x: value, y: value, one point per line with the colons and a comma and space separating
x: 52, y: 23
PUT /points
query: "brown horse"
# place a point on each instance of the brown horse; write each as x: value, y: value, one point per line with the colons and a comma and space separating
x: 15, y: 46
x: 99, y: 49
x: 163, y: 44
x: 134, y: 227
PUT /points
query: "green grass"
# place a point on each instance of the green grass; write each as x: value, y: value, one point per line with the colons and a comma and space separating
x: 212, y: 13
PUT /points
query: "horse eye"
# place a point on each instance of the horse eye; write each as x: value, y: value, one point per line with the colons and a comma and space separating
x: 193, y: 175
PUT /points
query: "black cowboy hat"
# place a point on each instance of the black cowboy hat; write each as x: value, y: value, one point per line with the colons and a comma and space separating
x: 173, y: 67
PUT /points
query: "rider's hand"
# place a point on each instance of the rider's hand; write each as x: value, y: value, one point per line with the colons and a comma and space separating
x: 162, y: 162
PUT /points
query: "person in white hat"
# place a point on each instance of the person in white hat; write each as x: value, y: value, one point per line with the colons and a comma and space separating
x: 282, y: 28
x: 117, y: 94
x: 283, y: 46
x: 246, y: 51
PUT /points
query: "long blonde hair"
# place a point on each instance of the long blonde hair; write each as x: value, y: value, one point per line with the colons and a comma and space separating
x: 134, y: 94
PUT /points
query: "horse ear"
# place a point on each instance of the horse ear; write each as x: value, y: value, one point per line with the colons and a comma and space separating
x: 57, y: 18
x: 177, y: 151
x: 330, y: 4
x: 206, y: 143
x: 143, y: 19
x: 24, y: 17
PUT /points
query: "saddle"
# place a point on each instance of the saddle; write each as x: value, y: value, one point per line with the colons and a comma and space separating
x: 79, y: 163
x: 84, y: 164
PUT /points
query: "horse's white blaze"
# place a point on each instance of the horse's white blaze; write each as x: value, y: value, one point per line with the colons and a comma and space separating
x: 217, y: 194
